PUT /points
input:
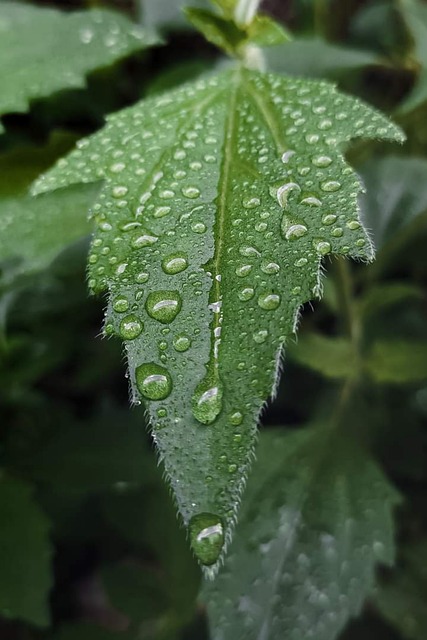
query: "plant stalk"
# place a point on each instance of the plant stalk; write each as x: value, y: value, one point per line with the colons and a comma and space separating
x: 245, y: 11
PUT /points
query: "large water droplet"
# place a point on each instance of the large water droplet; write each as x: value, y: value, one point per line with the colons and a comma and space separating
x: 175, y: 263
x: 206, y: 537
x: 283, y: 192
x: 207, y: 400
x: 144, y: 239
x: 120, y: 304
x: 330, y: 186
x: 130, y: 327
x: 323, y: 248
x: 329, y: 219
x: 163, y: 306
x: 153, y: 381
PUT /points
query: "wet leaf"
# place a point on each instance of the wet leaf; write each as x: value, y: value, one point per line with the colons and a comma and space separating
x: 220, y: 200
x: 25, y: 576
x: 43, y: 50
x: 316, y: 518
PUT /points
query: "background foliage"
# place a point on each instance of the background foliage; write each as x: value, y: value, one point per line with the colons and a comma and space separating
x: 89, y: 543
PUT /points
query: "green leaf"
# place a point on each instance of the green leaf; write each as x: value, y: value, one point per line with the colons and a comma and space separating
x: 415, y: 16
x: 266, y: 32
x: 316, y: 519
x: 219, y: 202
x: 93, y: 456
x: 316, y: 58
x: 398, y: 361
x: 221, y: 32
x: 332, y: 357
x: 401, y: 599
x: 396, y: 195
x: 33, y: 231
x: 380, y: 297
x: 25, y: 554
x: 43, y: 50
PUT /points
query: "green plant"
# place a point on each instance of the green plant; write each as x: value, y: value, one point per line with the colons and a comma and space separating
x: 214, y: 206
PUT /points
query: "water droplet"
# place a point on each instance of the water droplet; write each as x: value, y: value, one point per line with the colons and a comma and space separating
x: 330, y: 185
x: 142, y: 277
x: 117, y: 167
x: 293, y: 231
x: 282, y: 193
x: 198, y: 227
x: 301, y: 262
x: 143, y: 240
x: 322, y: 161
x: 287, y: 156
x: 353, y: 225
x: 175, y: 263
x: 119, y: 192
x: 260, y: 336
x: 153, y: 381
x: 163, y: 306
x: 337, y: 233
x: 269, y: 301
x: 207, y: 400
x: 323, y: 248
x: 244, y: 270
x: 120, y: 304
x: 246, y: 294
x: 249, y: 252
x: 236, y: 418
x: 311, y: 201
x: 270, y: 268
x: 190, y: 192
x: 206, y: 537
x: 160, y: 212
x: 182, y: 343
x: 167, y: 194
x: 329, y: 219
x: 130, y: 327
x: 251, y: 203
x: 361, y: 242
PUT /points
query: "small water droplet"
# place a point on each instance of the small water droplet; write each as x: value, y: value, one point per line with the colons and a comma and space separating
x: 323, y: 248
x: 329, y: 219
x: 260, y: 336
x: 236, y: 418
x: 143, y: 240
x: 251, y: 203
x: 117, y: 167
x: 243, y: 270
x: 287, y: 156
x: 120, y: 304
x: 311, y: 201
x: 130, y: 327
x: 206, y: 537
x: 337, y: 233
x: 167, y: 194
x: 353, y: 225
x: 269, y: 301
x: 301, y: 262
x: 182, y: 343
x: 292, y: 231
x: 246, y: 294
x: 153, y: 381
x: 119, y: 192
x: 163, y: 306
x: 232, y: 468
x: 142, y: 277
x: 270, y: 268
x: 190, y: 192
x: 282, y: 193
x: 175, y: 263
x: 207, y: 400
x: 330, y: 185
x: 198, y: 227
x: 160, y: 212
x: 322, y: 161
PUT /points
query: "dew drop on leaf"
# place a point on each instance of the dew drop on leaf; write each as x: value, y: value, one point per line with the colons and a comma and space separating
x: 153, y: 381
x: 181, y: 343
x: 293, y: 231
x: 329, y: 219
x: 120, y: 304
x: 269, y: 301
x: 207, y: 400
x: 206, y: 537
x: 163, y: 306
x: 130, y: 327
x: 175, y: 263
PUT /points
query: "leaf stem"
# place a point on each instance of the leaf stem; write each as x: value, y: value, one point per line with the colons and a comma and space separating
x: 344, y: 288
x: 245, y: 11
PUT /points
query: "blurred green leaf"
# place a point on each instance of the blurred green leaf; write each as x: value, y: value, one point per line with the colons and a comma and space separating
x: 332, y: 357
x: 379, y: 297
x: 88, y: 631
x: 266, y: 32
x: 86, y: 456
x: 414, y: 13
x: 33, y: 231
x: 402, y: 597
x: 159, y: 14
x: 43, y: 50
x: 221, y: 32
x: 398, y: 361
x: 396, y: 195
x: 316, y: 58
x: 316, y: 519
x: 25, y: 554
